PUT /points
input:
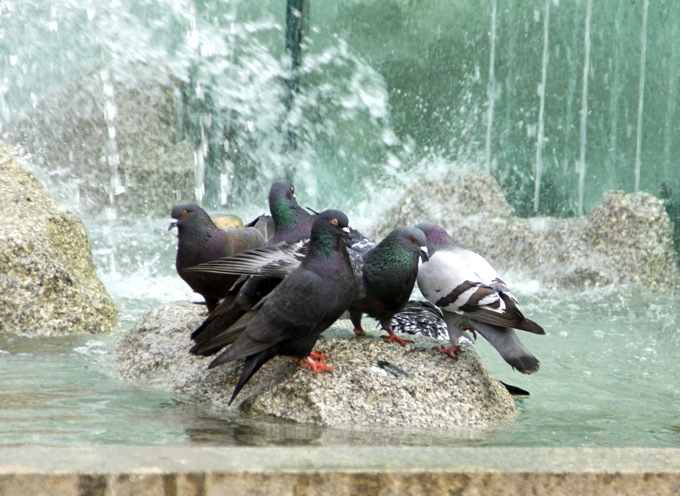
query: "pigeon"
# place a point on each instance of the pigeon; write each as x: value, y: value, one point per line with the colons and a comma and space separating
x: 291, y: 318
x: 199, y: 241
x: 473, y: 297
x: 386, y: 277
x: 421, y: 317
x: 385, y: 274
x: 291, y: 223
x: 227, y: 220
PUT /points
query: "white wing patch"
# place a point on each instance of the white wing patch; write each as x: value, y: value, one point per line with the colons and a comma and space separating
x: 454, y: 278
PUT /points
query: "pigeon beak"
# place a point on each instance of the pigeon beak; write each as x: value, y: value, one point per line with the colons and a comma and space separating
x: 173, y: 223
x: 424, y: 254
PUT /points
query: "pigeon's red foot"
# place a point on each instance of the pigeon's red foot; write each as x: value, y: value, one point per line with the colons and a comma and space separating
x: 359, y: 331
x: 314, y: 366
x: 318, y: 356
x: 452, y: 351
x: 392, y: 337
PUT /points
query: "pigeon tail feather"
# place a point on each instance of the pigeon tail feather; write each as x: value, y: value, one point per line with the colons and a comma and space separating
x: 506, y: 342
x: 252, y: 364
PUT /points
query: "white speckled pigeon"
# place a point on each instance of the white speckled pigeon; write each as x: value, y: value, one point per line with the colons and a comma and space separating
x: 199, y: 241
x: 421, y: 317
x: 472, y: 296
x: 291, y: 318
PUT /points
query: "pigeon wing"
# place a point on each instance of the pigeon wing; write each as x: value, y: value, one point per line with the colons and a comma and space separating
x: 269, y: 261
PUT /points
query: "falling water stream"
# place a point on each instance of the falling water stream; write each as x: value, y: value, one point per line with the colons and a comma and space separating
x: 540, y: 138
x: 641, y: 98
x: 387, y: 90
x: 583, y: 128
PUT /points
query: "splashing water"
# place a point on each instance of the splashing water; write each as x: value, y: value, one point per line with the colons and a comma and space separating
x: 391, y: 94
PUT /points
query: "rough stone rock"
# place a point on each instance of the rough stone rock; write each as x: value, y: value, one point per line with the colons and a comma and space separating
x: 147, y: 165
x: 48, y: 283
x: 627, y: 239
x: 374, y: 383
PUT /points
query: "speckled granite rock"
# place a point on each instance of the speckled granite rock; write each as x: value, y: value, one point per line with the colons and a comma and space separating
x: 48, y: 283
x: 374, y: 383
x: 626, y: 239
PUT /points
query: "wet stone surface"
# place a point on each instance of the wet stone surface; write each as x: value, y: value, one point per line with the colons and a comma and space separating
x: 627, y: 239
x: 48, y: 283
x: 374, y: 383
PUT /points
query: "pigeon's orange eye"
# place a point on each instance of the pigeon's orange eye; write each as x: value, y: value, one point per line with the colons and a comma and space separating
x: 334, y: 221
x: 412, y: 240
x: 185, y: 213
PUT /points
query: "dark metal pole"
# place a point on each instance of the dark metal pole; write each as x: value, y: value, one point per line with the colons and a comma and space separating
x: 297, y: 12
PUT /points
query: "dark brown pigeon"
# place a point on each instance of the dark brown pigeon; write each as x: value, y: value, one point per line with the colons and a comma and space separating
x: 292, y: 317
x: 291, y: 223
x: 199, y: 241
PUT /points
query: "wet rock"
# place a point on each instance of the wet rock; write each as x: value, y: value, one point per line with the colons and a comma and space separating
x: 48, y: 284
x: 626, y: 239
x: 114, y: 130
x: 374, y: 383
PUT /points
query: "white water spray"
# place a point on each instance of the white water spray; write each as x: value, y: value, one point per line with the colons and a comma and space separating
x: 112, y: 155
x: 540, y: 139
x: 584, y: 108
x: 491, y: 88
x: 641, y: 92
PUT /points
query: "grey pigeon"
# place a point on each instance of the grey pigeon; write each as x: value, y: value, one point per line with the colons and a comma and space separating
x: 386, y: 278
x: 291, y: 223
x: 292, y: 317
x: 385, y: 274
x: 472, y: 296
x: 200, y: 241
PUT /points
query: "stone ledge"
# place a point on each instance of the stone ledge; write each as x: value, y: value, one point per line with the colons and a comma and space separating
x: 346, y: 470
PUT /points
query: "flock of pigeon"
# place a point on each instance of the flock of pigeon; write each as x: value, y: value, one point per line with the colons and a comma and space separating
x: 273, y: 286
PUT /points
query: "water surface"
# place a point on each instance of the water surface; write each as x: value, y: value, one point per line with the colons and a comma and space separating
x: 609, y: 374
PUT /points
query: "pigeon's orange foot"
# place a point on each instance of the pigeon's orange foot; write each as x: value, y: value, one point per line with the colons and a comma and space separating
x: 359, y: 331
x: 314, y: 366
x: 392, y: 337
x: 452, y: 351
x: 318, y: 356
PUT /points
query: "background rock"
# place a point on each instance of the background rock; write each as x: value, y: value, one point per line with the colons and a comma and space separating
x: 626, y: 239
x: 144, y: 169
x: 420, y: 388
x: 48, y: 283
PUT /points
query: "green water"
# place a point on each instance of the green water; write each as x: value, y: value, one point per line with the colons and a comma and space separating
x: 609, y: 374
x: 560, y: 101
x: 389, y: 89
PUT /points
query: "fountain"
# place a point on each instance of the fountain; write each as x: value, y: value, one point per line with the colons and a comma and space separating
x: 123, y: 109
